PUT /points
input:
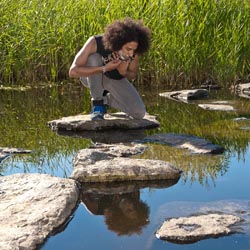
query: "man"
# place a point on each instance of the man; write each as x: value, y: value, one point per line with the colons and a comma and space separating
x: 107, y: 62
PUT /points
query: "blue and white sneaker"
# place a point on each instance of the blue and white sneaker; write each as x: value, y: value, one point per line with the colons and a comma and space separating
x: 98, y: 112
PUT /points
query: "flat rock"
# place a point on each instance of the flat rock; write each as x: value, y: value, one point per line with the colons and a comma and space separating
x: 117, y: 120
x: 195, y: 228
x: 243, y: 90
x: 108, y: 163
x: 216, y: 107
x: 32, y: 207
x: 186, y: 95
x: 194, y: 144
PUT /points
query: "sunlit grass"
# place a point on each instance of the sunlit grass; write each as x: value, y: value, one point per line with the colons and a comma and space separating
x: 192, y: 40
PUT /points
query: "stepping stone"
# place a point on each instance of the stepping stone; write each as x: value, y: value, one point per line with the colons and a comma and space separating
x: 243, y: 90
x: 186, y: 95
x: 191, y: 229
x: 110, y: 163
x: 216, y: 107
x: 32, y: 207
x: 117, y: 120
x: 194, y: 144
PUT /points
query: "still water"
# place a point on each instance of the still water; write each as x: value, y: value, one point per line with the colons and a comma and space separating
x: 108, y: 218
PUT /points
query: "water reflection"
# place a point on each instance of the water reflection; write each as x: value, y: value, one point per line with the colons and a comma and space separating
x: 120, y: 204
x: 107, y: 137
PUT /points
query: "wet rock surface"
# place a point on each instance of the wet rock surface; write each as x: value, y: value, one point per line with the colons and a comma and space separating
x: 194, y: 144
x: 194, y: 228
x: 108, y: 163
x: 117, y: 120
x: 32, y: 206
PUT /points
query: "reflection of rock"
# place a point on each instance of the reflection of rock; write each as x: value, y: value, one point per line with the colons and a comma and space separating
x: 120, y: 203
x: 124, y: 213
x: 107, y: 163
x: 195, y: 144
x: 186, y: 95
x: 32, y: 206
x: 194, y: 228
x: 125, y: 186
x: 6, y: 152
x: 107, y: 136
x: 112, y: 121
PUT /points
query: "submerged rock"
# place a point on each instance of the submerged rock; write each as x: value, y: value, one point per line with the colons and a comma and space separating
x: 194, y: 144
x: 108, y: 163
x: 6, y: 152
x: 117, y: 120
x: 32, y: 207
x: 195, y: 228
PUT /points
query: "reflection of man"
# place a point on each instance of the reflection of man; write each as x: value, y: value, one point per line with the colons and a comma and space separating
x: 124, y: 214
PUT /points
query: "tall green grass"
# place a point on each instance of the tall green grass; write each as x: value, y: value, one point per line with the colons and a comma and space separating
x: 193, y: 40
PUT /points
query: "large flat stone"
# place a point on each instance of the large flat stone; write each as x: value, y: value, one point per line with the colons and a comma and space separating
x: 32, y: 206
x: 117, y: 120
x: 194, y: 144
x: 108, y: 163
x: 216, y: 107
x: 194, y: 228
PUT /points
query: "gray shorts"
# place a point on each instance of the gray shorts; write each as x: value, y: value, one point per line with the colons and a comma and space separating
x: 122, y: 94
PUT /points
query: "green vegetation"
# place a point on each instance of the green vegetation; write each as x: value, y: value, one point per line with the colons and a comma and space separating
x: 193, y: 40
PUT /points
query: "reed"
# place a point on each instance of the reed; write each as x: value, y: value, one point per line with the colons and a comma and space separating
x: 192, y: 41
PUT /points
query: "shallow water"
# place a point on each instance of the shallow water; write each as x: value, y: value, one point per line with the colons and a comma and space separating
x: 107, y: 218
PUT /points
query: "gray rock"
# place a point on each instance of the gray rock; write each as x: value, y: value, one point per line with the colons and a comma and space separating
x: 108, y: 163
x: 194, y: 228
x: 186, y: 95
x: 194, y: 144
x: 243, y: 90
x: 216, y: 107
x: 33, y: 206
x: 117, y: 120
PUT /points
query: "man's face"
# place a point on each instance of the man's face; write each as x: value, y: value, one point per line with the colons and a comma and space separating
x: 128, y: 50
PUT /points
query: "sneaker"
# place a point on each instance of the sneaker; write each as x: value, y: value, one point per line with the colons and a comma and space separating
x: 98, y: 112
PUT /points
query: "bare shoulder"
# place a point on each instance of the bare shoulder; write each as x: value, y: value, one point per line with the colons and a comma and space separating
x: 88, y: 48
x: 90, y: 45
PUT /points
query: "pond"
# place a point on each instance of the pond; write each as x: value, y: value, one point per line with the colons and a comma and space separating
x: 127, y: 215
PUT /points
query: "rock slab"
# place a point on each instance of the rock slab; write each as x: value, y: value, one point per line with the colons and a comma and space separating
x: 32, y: 206
x: 109, y: 163
x: 194, y: 144
x: 195, y: 228
x: 117, y: 120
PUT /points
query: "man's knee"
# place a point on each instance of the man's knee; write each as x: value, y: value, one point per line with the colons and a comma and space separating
x: 138, y: 113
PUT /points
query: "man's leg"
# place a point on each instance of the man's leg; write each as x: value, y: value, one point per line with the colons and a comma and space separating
x: 95, y: 84
x: 124, y: 96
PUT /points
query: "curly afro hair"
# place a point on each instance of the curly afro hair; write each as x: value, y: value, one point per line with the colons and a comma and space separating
x: 121, y: 32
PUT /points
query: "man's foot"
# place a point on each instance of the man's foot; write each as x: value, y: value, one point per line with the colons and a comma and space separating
x: 98, y: 111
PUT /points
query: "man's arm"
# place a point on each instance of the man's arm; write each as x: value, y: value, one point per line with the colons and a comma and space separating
x: 129, y: 69
x: 78, y: 67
